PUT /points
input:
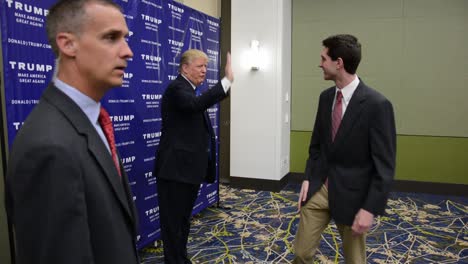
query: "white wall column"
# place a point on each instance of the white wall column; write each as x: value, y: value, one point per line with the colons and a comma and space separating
x: 260, y: 99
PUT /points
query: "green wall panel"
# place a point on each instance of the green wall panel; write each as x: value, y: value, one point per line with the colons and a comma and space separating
x: 419, y: 158
x: 300, y: 141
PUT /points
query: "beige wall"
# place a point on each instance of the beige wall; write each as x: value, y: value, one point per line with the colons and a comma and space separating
x: 414, y: 52
x: 209, y: 7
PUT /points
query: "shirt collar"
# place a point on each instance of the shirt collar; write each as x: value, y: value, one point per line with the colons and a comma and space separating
x: 90, y: 107
x: 349, y: 89
x: 193, y: 85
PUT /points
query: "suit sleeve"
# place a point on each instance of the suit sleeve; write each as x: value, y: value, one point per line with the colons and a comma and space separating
x: 185, y: 99
x: 50, y: 216
x: 313, y: 161
x: 383, y: 155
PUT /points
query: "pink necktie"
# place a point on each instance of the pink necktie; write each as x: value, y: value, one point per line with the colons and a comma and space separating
x: 337, y: 113
x: 106, y: 125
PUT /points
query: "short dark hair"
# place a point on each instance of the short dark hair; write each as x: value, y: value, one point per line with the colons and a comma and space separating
x: 346, y: 47
x: 69, y: 16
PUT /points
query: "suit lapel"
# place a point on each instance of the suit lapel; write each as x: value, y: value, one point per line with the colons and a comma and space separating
x: 95, y: 145
x: 103, y: 157
x: 328, y: 114
x: 206, y: 117
x: 186, y: 82
x: 353, y: 111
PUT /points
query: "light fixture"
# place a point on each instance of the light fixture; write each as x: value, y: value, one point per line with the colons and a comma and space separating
x: 255, y: 55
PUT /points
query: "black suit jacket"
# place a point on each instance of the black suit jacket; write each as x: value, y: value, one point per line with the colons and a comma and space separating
x: 64, y: 195
x: 360, y: 163
x: 187, y: 134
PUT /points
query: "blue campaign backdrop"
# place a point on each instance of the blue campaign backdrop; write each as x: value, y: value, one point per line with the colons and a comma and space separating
x: 160, y: 30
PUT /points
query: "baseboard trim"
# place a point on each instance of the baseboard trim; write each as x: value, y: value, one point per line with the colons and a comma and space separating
x: 398, y: 185
x: 295, y: 177
x: 258, y: 184
x: 431, y: 187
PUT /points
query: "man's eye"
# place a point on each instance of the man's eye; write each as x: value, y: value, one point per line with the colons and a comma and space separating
x: 111, y: 37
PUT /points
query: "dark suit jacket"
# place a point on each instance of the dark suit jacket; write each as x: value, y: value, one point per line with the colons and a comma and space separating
x: 360, y: 163
x: 187, y: 134
x: 64, y: 195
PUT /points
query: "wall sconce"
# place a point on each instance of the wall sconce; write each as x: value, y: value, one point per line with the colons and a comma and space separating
x: 255, y: 55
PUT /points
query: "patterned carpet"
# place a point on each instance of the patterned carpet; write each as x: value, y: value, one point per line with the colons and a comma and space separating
x: 259, y: 227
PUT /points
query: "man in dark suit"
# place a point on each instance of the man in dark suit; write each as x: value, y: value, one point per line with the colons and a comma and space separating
x: 351, y: 161
x: 67, y: 192
x: 187, y: 155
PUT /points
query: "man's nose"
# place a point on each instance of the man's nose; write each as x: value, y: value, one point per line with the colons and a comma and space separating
x: 126, y: 51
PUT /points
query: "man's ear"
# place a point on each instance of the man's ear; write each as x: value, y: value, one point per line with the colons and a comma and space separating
x: 339, y: 63
x: 183, y: 68
x: 67, y: 44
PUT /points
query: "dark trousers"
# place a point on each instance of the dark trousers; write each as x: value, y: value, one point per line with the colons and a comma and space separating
x: 176, y: 200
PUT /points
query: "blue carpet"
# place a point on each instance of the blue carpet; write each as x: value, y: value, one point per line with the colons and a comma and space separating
x: 259, y: 227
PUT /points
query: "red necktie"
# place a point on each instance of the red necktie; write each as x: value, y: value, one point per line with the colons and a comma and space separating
x: 106, y: 125
x: 336, y: 118
x: 337, y: 113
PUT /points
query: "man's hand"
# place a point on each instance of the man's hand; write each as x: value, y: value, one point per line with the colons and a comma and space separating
x: 228, y: 69
x: 362, y: 222
x: 302, y: 194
